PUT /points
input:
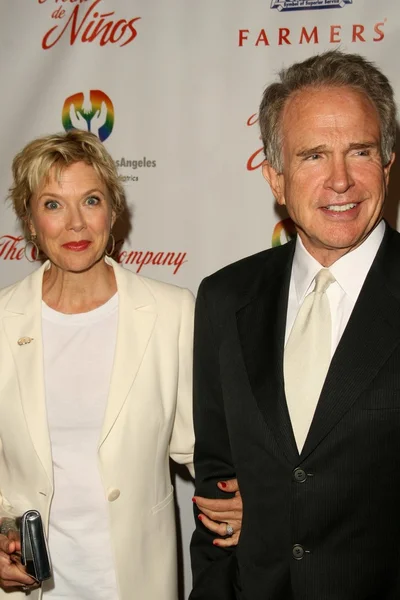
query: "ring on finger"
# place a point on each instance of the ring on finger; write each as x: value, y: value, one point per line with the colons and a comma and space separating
x: 229, y: 530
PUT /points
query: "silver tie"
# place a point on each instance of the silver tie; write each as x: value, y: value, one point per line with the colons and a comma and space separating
x: 307, y: 356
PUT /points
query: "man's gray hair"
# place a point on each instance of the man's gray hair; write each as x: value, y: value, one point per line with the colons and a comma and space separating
x: 332, y: 69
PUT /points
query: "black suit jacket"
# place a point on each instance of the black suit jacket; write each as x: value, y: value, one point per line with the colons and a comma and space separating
x: 323, y: 525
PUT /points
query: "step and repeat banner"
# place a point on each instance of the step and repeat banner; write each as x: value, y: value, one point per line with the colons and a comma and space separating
x: 172, y: 89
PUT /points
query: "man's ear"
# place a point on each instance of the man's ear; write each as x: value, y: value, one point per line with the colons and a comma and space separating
x: 386, y: 168
x: 276, y: 182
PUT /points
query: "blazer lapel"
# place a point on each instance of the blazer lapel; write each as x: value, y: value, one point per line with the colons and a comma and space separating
x: 23, y: 329
x: 136, y: 320
x: 261, y: 326
x: 371, y: 335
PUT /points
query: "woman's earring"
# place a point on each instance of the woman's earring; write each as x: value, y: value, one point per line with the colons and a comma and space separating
x: 111, y: 252
x: 35, y: 249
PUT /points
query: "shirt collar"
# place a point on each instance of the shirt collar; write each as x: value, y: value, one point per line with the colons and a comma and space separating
x: 350, y: 271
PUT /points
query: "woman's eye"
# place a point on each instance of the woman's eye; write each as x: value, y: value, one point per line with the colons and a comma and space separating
x: 92, y: 200
x: 52, y: 204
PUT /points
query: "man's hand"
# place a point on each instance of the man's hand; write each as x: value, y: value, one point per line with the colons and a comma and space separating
x: 217, y: 514
x: 12, y: 573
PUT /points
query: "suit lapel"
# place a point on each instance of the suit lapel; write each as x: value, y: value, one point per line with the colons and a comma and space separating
x: 370, y: 337
x: 136, y: 320
x: 23, y: 320
x: 261, y: 326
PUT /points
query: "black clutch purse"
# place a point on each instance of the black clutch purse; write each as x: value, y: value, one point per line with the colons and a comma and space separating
x: 34, y: 552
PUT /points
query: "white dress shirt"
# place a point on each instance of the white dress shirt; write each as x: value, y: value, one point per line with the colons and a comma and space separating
x: 350, y: 272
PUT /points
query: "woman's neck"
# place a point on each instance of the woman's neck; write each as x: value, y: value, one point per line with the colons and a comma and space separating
x: 73, y: 293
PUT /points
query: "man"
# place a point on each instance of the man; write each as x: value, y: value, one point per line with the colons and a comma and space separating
x: 297, y: 357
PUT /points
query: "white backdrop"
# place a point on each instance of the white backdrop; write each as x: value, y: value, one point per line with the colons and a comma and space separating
x: 172, y: 89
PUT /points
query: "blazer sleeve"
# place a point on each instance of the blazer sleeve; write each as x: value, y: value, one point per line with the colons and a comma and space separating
x: 213, y: 568
x: 182, y: 439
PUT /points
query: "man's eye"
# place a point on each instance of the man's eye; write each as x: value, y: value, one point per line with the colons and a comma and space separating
x: 52, y: 204
x: 92, y: 200
x: 363, y: 153
x: 313, y: 157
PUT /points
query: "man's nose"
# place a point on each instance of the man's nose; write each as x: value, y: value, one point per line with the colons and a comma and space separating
x: 339, y: 176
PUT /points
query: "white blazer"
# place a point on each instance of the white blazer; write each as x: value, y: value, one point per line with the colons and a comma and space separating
x: 148, y: 419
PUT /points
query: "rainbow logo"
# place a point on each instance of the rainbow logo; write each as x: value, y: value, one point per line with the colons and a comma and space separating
x: 284, y: 231
x: 90, y: 111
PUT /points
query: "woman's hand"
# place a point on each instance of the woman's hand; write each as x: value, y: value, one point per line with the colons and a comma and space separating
x: 12, y: 573
x: 222, y: 516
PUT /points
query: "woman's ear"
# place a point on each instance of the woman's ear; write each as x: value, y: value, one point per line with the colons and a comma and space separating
x: 30, y: 227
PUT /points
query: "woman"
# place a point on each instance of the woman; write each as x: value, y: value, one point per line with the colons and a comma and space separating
x: 95, y: 388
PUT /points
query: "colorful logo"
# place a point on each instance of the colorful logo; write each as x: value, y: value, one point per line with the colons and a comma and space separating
x: 89, y: 111
x: 283, y: 5
x: 284, y: 231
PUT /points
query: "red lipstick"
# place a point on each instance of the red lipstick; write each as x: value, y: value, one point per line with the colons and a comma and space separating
x: 77, y: 246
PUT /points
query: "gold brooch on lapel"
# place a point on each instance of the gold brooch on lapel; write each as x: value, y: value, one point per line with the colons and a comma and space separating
x: 24, y: 340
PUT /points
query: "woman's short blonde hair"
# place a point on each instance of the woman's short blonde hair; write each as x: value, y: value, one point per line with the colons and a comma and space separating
x: 31, y: 168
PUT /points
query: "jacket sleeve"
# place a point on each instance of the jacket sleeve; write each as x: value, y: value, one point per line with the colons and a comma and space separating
x: 182, y: 439
x: 213, y: 568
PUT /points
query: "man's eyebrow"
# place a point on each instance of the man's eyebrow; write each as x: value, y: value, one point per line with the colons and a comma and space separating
x: 363, y: 145
x: 309, y: 151
x: 324, y: 148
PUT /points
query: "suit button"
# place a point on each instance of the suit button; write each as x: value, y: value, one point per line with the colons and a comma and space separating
x: 298, y: 552
x: 113, y: 494
x: 299, y: 475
